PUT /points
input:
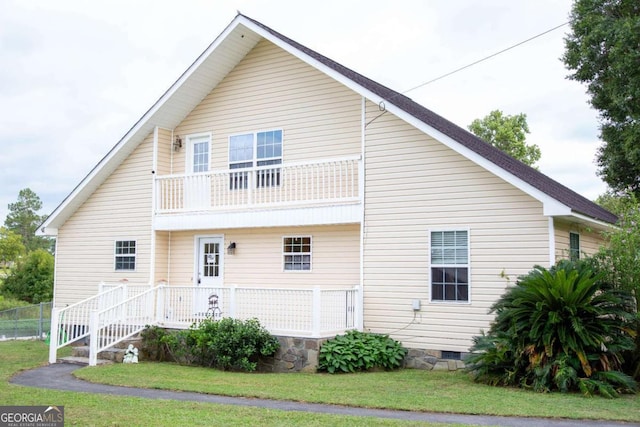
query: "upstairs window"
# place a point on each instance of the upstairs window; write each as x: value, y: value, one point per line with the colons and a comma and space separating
x: 450, y: 266
x: 125, y: 255
x: 297, y: 253
x: 574, y: 246
x: 260, y: 150
x: 198, y: 153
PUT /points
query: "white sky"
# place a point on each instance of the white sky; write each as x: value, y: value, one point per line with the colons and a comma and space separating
x: 76, y: 75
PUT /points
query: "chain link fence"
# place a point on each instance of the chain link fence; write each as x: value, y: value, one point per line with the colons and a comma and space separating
x: 33, y: 321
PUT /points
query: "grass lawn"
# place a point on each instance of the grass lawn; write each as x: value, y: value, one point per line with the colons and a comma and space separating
x: 85, y: 409
x: 404, y: 389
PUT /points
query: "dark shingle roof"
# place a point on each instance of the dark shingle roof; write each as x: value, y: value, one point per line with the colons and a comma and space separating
x: 538, y: 180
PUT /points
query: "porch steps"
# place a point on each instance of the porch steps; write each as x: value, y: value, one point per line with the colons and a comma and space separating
x: 83, y: 361
x: 115, y: 354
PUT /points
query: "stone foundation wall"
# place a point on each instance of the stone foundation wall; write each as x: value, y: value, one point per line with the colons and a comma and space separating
x: 431, y: 360
x: 294, y: 355
x: 301, y: 355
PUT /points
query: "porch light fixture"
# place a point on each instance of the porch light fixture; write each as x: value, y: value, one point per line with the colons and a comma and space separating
x: 231, y: 249
x: 177, y: 144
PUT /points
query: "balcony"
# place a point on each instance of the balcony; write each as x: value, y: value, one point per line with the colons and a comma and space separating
x: 322, y: 192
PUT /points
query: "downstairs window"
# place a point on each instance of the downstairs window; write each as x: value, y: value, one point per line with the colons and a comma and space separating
x: 450, y: 266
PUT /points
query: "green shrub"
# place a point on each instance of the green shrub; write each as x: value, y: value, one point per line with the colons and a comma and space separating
x: 31, y: 279
x: 360, y: 351
x: 557, y: 329
x: 9, y: 303
x: 227, y: 344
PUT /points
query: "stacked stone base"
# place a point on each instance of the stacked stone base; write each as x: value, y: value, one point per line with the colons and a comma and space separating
x: 431, y: 360
x: 294, y: 355
x: 301, y: 355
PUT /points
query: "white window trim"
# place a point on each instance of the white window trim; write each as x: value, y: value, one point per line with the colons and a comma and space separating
x: 255, y: 159
x: 116, y: 255
x: 579, y: 245
x: 191, y: 139
x: 468, y: 265
x: 300, y: 253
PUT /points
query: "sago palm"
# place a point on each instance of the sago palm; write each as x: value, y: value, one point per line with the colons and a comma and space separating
x: 559, y: 329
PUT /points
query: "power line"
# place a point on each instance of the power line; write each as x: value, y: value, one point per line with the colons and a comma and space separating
x: 486, y: 58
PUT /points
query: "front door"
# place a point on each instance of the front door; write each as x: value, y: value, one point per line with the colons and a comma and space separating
x: 209, y: 276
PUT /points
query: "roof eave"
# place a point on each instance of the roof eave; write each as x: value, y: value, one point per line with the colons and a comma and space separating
x: 153, y: 117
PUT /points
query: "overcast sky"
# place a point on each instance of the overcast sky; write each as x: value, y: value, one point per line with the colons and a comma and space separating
x: 76, y: 75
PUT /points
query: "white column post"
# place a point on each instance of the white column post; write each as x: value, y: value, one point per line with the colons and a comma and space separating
x: 93, y: 338
x: 316, y: 312
x: 160, y: 303
x: 232, y: 301
x: 358, y: 308
x: 54, y: 334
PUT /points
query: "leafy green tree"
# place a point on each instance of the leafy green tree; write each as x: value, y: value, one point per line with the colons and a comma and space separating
x: 557, y: 329
x: 23, y: 219
x: 619, y: 262
x: 11, y: 246
x: 508, y: 133
x: 31, y: 279
x: 603, y: 51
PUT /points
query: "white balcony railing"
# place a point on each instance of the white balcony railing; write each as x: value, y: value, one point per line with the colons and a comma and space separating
x: 309, y: 183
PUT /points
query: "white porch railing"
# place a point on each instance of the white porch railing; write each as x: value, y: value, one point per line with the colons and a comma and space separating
x: 312, y: 312
x: 109, y: 326
x: 323, y: 182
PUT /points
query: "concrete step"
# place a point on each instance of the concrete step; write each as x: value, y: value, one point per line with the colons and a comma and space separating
x: 113, y: 354
x: 83, y: 361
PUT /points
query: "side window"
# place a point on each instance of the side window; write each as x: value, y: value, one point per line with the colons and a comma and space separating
x: 450, y: 266
x: 198, y: 153
x: 296, y: 252
x: 574, y: 246
x: 125, y: 255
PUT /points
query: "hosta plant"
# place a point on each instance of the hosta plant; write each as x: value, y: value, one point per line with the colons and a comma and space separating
x: 360, y: 351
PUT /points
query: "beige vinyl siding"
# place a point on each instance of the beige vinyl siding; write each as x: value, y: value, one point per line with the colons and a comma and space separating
x: 258, y: 260
x: 120, y: 209
x: 416, y: 185
x: 165, y: 151
x: 590, y: 240
x: 270, y: 89
x: 162, y: 257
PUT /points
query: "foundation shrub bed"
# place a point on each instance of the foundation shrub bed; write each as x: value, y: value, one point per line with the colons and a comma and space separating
x: 226, y: 344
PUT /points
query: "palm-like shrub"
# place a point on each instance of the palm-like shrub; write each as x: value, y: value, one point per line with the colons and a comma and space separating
x: 557, y: 329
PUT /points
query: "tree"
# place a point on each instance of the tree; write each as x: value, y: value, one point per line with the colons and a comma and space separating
x: 603, y: 51
x: 507, y: 133
x: 32, y: 279
x: 618, y: 261
x: 11, y: 246
x: 23, y: 219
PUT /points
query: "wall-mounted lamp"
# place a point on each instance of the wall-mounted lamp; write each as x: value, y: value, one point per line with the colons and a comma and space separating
x: 231, y: 249
x: 177, y: 144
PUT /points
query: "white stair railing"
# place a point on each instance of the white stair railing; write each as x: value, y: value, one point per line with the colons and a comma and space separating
x: 71, y: 323
x: 123, y: 320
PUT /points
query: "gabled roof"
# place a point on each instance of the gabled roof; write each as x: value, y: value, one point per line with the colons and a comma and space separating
x: 242, y: 34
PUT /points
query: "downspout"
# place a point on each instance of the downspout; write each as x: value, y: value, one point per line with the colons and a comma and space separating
x: 552, y: 242
x: 361, y: 189
x: 154, y: 168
